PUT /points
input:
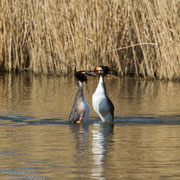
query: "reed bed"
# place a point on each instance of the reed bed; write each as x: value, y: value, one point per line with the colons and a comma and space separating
x: 134, y: 37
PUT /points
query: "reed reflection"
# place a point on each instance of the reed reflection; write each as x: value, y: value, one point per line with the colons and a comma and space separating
x: 81, y: 137
x: 80, y: 152
x: 100, y: 135
x: 51, y: 96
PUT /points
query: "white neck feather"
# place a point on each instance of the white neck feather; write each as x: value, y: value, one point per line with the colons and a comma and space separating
x: 100, y: 87
x: 80, y: 83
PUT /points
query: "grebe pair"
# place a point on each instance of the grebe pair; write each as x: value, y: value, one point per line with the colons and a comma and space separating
x: 100, y: 101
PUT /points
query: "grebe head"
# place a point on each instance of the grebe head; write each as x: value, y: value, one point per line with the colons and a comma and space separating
x: 102, y: 70
x: 81, y: 76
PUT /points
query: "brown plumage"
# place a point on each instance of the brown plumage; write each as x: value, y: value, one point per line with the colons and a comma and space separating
x: 80, y: 109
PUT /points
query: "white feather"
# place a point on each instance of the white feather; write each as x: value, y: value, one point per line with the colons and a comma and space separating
x: 85, y: 106
x: 99, y: 102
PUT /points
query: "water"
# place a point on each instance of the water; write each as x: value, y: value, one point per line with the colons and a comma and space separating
x: 38, y: 143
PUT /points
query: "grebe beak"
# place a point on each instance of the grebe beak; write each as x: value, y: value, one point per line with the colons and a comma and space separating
x: 91, y: 73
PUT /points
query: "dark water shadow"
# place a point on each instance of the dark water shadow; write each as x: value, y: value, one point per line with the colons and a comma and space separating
x: 14, y: 120
x: 147, y: 120
x: 28, y: 120
x: 17, y: 120
x: 47, y: 121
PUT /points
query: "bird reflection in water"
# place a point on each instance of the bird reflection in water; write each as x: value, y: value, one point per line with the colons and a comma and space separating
x: 100, y: 135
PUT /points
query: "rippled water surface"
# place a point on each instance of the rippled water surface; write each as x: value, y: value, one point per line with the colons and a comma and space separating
x: 37, y: 142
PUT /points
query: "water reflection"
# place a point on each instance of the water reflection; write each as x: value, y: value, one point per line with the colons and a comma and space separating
x: 37, y: 141
x: 43, y: 95
x: 100, y: 135
x: 81, y: 139
x: 36, y: 95
x: 145, y: 98
x: 81, y: 136
x: 146, y: 152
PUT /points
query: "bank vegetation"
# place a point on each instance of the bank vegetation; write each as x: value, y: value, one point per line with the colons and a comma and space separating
x: 134, y: 37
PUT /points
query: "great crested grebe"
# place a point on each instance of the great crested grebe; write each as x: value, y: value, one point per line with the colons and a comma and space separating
x: 101, y: 102
x: 80, y: 109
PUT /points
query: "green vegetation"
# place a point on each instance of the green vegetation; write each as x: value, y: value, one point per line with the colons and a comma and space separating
x: 135, y: 37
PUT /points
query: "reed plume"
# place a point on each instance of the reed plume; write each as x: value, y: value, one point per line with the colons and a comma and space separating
x: 134, y: 37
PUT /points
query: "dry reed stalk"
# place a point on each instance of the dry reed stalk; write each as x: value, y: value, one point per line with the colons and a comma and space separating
x: 139, y: 38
